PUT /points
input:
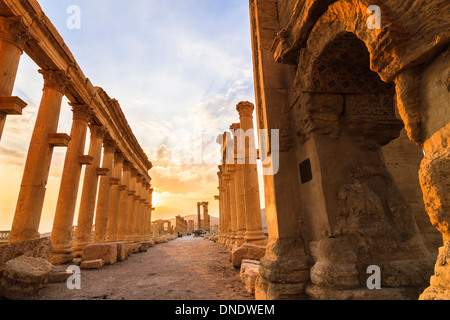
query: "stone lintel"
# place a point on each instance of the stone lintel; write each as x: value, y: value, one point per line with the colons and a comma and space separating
x: 12, y: 105
x: 85, y: 160
x: 59, y: 139
x: 102, y: 172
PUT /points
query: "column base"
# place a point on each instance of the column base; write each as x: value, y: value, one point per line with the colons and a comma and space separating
x: 284, y: 271
x: 255, y: 237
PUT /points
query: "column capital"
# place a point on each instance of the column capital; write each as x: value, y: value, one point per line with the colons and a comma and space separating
x: 127, y: 165
x: 13, y: 30
x: 55, y: 79
x: 235, y: 126
x: 81, y: 112
x: 97, y: 131
x: 109, y: 146
x: 245, y: 109
x: 119, y: 157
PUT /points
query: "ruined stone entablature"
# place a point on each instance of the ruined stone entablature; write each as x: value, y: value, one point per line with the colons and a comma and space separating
x: 48, y: 50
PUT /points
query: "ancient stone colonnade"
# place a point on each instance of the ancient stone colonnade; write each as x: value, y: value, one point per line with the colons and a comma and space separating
x: 239, y: 198
x: 116, y: 166
x: 340, y: 91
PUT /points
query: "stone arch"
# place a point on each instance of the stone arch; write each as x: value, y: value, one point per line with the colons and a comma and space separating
x: 345, y: 116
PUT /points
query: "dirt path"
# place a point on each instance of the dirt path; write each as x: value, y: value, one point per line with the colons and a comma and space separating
x: 184, y: 269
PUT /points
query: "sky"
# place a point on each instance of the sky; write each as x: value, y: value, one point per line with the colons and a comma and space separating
x: 177, y: 68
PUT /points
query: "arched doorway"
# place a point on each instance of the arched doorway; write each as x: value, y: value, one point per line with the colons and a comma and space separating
x: 357, y: 216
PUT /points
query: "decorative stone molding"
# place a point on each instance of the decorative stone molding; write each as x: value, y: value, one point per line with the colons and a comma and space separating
x: 245, y: 109
x: 97, y: 131
x: 55, y: 79
x: 14, y: 31
x: 81, y: 112
x: 59, y: 139
x: 12, y: 105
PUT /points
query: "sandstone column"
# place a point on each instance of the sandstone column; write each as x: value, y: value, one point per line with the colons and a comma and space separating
x: 199, y: 227
x: 227, y: 215
x: 13, y: 36
x: 137, y: 208
x: 104, y: 192
x: 123, y: 212
x: 221, y: 199
x: 114, y: 201
x: 206, y: 218
x: 231, y: 168
x: 150, y: 200
x: 141, y: 225
x: 241, y: 222
x: 32, y: 191
x: 89, y: 192
x: 254, y: 233
x: 70, y: 181
x: 130, y: 214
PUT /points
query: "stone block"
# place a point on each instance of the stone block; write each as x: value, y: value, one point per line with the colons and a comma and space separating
x: 249, y: 277
x: 39, y: 248
x: 104, y: 251
x: 246, y: 252
x: 24, y: 276
x: 92, y: 264
x: 59, y: 274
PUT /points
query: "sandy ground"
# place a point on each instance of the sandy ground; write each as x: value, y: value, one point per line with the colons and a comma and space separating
x: 185, y: 269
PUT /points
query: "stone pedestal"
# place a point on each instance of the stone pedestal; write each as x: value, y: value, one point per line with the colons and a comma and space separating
x: 65, y: 208
x: 32, y: 191
x: 284, y: 271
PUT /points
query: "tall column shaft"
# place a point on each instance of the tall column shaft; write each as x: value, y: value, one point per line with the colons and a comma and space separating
x: 137, y: 209
x: 122, y: 223
x: 199, y: 216
x: 114, y: 202
x: 150, y: 212
x: 240, y: 205
x: 37, y: 167
x: 89, y: 192
x: 233, y: 217
x: 227, y: 212
x: 254, y: 231
x: 70, y: 181
x: 13, y: 36
x: 104, y: 192
x: 130, y: 214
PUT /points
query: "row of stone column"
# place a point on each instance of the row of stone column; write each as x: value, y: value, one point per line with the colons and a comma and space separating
x: 239, y: 198
x: 123, y: 207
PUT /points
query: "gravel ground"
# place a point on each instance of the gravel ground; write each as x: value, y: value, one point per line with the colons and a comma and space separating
x: 184, y: 269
